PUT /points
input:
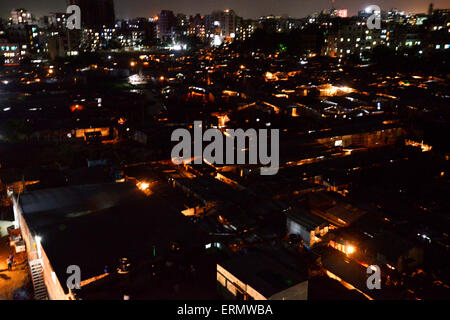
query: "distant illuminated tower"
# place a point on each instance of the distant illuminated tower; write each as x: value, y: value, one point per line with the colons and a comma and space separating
x: 20, y: 16
x: 225, y: 21
x: 430, y: 9
x: 166, y: 25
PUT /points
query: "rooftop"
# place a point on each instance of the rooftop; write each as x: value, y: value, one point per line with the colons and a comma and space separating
x: 264, y: 273
x: 95, y: 225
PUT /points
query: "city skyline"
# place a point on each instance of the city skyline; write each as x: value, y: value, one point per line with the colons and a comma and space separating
x: 297, y: 9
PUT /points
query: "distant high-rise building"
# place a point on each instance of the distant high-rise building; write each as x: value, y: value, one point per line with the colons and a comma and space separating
x: 27, y: 36
x: 342, y: 13
x: 270, y: 23
x: 21, y: 16
x: 96, y: 14
x: 245, y: 28
x: 63, y: 44
x: 197, y: 26
x: 226, y: 21
x: 57, y: 20
x: 166, y: 25
x: 210, y: 28
x: 182, y: 24
x: 10, y: 53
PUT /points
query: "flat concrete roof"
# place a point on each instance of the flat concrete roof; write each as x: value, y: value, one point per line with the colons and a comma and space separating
x: 95, y: 225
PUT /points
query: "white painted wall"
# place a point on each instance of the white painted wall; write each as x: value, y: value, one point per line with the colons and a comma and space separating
x: 4, y: 227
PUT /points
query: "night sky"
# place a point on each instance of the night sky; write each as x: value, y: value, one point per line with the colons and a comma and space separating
x: 244, y: 8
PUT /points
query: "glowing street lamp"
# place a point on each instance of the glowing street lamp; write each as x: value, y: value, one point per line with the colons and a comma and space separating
x: 350, y: 249
x: 144, y: 187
